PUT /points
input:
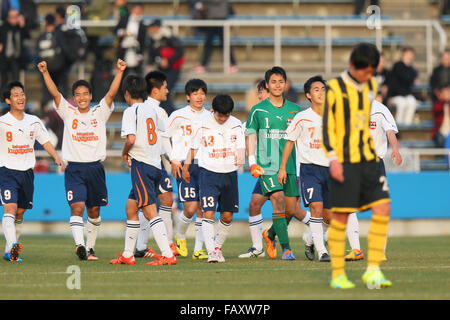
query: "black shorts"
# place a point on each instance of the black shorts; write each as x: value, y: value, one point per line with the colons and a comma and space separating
x: 364, y: 186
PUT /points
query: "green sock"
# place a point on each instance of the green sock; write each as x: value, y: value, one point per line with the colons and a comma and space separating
x: 271, y: 233
x: 280, y: 227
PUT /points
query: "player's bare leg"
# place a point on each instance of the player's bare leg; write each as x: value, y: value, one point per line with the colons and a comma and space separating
x: 77, y: 227
x: 93, y: 224
x: 12, y: 248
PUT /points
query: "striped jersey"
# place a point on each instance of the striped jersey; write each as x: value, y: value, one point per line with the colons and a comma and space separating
x: 346, y: 116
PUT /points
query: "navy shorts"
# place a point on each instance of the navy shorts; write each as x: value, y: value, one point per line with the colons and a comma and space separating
x: 17, y: 187
x: 165, y: 183
x: 188, y: 192
x: 145, y: 180
x: 315, y: 184
x: 218, y: 190
x: 86, y: 182
x: 257, y: 189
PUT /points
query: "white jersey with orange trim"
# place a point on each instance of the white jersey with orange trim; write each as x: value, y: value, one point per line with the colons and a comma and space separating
x: 84, y: 137
x: 180, y: 129
x: 17, y: 139
x: 218, y: 144
x: 306, y: 131
x: 142, y: 120
x: 161, y: 113
x: 381, y: 120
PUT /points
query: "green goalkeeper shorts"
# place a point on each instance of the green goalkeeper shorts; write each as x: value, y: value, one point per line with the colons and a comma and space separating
x: 270, y: 184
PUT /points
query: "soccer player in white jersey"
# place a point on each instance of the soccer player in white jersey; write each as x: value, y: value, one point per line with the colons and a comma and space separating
x: 305, y: 131
x: 220, y: 143
x: 84, y: 148
x: 18, y: 133
x: 164, y: 191
x: 140, y: 126
x: 255, y: 219
x: 177, y: 143
x: 383, y: 129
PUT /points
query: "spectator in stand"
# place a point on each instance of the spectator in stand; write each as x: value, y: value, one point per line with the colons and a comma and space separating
x: 12, y: 35
x: 441, y: 116
x: 359, y: 5
x: 166, y: 54
x: 382, y: 77
x: 215, y: 10
x: 403, y: 77
x: 97, y: 10
x: 52, y: 48
x: 445, y: 7
x: 121, y: 9
x: 131, y: 34
x: 441, y: 74
x: 198, y: 12
x: 290, y: 93
x: 251, y: 96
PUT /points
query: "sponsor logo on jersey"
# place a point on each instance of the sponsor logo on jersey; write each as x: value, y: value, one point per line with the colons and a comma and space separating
x: 233, y: 138
x: 373, y: 125
x: 31, y: 135
x: 94, y: 123
x: 289, y: 120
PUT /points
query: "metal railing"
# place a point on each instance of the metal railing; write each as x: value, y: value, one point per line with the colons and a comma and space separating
x: 328, y: 25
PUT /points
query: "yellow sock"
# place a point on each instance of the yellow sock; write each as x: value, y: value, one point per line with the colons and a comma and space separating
x: 336, y: 241
x: 377, y: 240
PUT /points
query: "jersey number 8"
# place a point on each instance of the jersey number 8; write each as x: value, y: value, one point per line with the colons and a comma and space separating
x: 151, y: 131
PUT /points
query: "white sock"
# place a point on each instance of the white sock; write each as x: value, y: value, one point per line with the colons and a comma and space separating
x: 198, y: 235
x: 223, y: 230
x: 166, y: 214
x: 183, y: 225
x: 325, y: 231
x: 353, y: 231
x: 92, y: 230
x: 307, y: 218
x: 208, y: 234
x: 315, y: 224
x: 9, y: 230
x: 144, y: 232
x: 77, y: 227
x: 131, y: 235
x: 256, y: 226
x: 18, y: 224
x: 160, y: 234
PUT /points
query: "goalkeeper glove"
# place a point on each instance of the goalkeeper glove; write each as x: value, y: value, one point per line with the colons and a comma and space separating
x: 256, y: 170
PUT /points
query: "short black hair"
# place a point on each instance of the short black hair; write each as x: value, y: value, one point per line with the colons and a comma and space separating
x: 155, y: 79
x: 9, y: 87
x: 407, y: 48
x: 61, y: 11
x: 262, y: 86
x: 80, y: 83
x: 50, y: 19
x: 135, y: 85
x: 275, y: 70
x: 365, y: 55
x: 310, y: 81
x: 223, y: 103
x: 194, y: 85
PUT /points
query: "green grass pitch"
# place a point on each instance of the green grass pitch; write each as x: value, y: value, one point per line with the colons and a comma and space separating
x: 419, y: 268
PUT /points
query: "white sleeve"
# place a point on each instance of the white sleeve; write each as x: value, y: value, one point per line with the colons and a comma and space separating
x: 171, y: 126
x: 241, y: 138
x: 42, y: 135
x: 388, y: 121
x: 63, y: 107
x: 128, y: 122
x: 162, y: 121
x: 104, y: 110
x: 294, y: 129
x: 196, y: 139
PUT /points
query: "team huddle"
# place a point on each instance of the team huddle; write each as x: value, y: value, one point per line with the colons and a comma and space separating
x: 329, y: 155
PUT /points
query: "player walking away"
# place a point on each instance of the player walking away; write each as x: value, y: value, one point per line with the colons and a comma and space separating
x: 177, y: 143
x: 266, y: 128
x: 255, y: 219
x: 305, y: 131
x: 156, y: 93
x: 18, y: 133
x: 383, y: 129
x: 220, y: 143
x: 357, y: 183
x: 140, y: 126
x: 84, y: 148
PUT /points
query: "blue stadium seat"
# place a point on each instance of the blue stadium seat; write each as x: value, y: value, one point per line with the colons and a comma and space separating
x: 417, y: 144
x: 421, y: 126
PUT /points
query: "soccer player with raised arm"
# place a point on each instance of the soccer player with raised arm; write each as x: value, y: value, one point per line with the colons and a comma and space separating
x: 266, y: 130
x: 177, y: 143
x: 157, y: 80
x: 383, y: 129
x: 142, y: 152
x: 305, y: 131
x: 357, y: 181
x: 84, y: 148
x: 220, y: 143
x: 255, y: 219
x: 18, y: 133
